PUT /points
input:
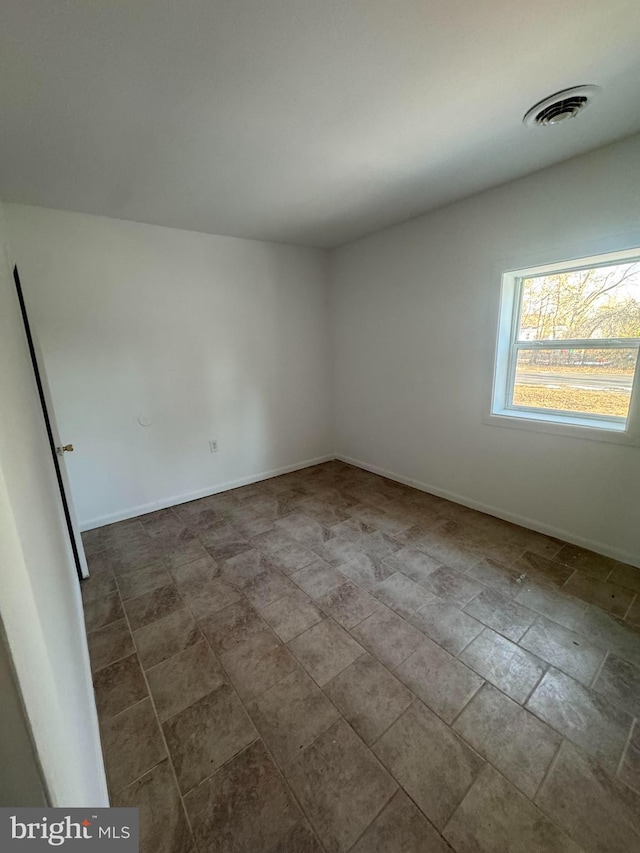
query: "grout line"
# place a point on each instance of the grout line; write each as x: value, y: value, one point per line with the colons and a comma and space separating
x: 571, y: 577
x: 414, y: 699
x: 117, y: 660
x: 539, y: 680
x: 599, y: 669
x: 142, y: 775
x: 104, y: 718
x: 477, y: 779
x: 466, y: 705
x: 457, y: 656
x: 384, y: 806
x: 634, y: 723
x: 630, y: 607
x: 159, y: 724
x: 549, y: 769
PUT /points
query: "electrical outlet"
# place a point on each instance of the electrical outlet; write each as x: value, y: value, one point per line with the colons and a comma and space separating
x: 213, y: 445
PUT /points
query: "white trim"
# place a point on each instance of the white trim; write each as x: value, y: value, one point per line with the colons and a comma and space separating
x: 574, y: 428
x: 502, y: 412
x: 135, y: 511
x: 523, y: 521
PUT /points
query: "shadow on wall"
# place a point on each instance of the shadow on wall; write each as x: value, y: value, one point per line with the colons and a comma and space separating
x: 226, y: 364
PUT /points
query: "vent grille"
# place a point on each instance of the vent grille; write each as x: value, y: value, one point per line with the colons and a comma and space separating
x: 561, y: 110
x: 562, y: 106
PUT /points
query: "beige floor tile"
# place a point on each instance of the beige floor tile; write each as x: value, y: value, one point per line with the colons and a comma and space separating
x: 132, y: 744
x: 166, y: 637
x: 102, y: 611
x: 337, y: 769
x: 109, y: 644
x: 610, y: 633
x: 388, y: 637
x: 619, y: 682
x: 205, y: 735
x: 145, y: 609
x: 630, y: 768
x: 549, y: 601
x: 291, y: 714
x: 626, y: 576
x: 119, y: 685
x: 595, y: 809
x: 183, y: 679
x: 245, y: 805
x: 507, y: 666
x: 368, y: 696
x: 285, y: 553
x: 609, y: 596
x: 348, y: 604
x: 98, y: 585
x: 447, y: 625
x: 503, y: 578
x: 229, y: 628
x: 311, y: 550
x: 564, y: 649
x: 291, y: 615
x: 267, y: 588
x: 318, y: 578
x: 141, y: 581
x: 245, y: 567
x: 366, y: 571
x: 303, y: 529
x: 495, y: 817
x: 324, y: 650
x: 186, y: 548
x: 539, y: 568
x: 582, y: 716
x: 518, y: 744
x: 433, y: 765
x: 413, y: 563
x: 452, y: 586
x: 402, y: 594
x: 192, y: 574
x: 588, y: 562
x: 501, y: 613
x: 299, y: 839
x: 163, y: 825
x: 442, y: 682
x: 402, y: 827
x: 210, y: 596
x: 258, y: 664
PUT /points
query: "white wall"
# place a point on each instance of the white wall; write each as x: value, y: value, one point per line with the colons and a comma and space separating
x: 209, y: 337
x: 20, y: 779
x: 214, y: 337
x: 414, y: 314
x: 40, y: 605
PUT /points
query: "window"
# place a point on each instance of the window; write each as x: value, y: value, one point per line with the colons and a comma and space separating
x: 568, y: 343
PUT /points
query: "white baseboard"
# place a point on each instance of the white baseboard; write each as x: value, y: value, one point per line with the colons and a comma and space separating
x: 134, y: 511
x: 530, y: 523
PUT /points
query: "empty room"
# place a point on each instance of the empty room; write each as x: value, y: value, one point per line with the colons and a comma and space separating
x: 320, y: 426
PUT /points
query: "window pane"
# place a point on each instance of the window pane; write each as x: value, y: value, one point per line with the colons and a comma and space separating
x: 603, y: 302
x: 589, y: 381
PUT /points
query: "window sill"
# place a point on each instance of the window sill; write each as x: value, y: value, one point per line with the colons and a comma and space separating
x: 585, y: 428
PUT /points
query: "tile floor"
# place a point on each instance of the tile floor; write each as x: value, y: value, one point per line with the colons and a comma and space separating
x: 331, y: 661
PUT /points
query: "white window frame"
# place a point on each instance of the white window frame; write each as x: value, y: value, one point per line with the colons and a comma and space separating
x: 503, y: 413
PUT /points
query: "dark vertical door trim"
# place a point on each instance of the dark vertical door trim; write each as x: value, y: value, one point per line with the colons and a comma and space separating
x: 47, y: 421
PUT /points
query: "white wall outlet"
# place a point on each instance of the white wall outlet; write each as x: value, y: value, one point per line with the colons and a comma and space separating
x: 213, y: 445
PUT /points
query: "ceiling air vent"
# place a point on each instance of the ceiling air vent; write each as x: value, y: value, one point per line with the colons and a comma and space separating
x: 562, y: 106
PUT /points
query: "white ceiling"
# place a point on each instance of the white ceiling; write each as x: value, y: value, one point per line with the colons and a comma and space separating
x: 301, y: 121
